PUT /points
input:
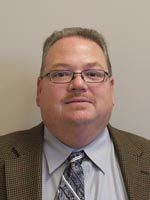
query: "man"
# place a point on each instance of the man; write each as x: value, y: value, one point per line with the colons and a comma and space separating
x: 75, y: 93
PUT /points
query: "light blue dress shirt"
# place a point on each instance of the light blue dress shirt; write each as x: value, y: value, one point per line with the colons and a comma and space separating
x: 102, y: 174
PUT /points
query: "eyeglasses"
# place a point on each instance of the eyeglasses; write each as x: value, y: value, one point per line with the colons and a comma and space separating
x: 66, y: 76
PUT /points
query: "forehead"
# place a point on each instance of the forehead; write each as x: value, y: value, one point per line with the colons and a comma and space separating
x: 74, y: 50
x: 73, y: 41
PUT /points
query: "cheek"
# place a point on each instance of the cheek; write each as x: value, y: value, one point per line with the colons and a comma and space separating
x: 51, y: 97
x: 104, y: 96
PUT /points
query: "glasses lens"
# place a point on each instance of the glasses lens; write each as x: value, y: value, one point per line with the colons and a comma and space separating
x: 94, y: 75
x: 61, y: 76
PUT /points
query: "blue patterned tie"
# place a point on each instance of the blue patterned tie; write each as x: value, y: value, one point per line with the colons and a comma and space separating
x: 71, y: 185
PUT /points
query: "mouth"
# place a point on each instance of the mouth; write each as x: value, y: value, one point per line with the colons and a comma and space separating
x: 78, y: 100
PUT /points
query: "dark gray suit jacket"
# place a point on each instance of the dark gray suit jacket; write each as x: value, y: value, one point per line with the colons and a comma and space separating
x: 21, y: 164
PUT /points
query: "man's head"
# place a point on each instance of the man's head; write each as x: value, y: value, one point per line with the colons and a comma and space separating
x: 75, y: 89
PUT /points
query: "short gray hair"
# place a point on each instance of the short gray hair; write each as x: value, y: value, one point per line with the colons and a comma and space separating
x: 86, y: 33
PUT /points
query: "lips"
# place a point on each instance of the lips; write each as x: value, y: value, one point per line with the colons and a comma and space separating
x: 78, y: 100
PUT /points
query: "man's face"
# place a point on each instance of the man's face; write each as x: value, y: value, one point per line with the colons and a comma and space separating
x: 75, y: 103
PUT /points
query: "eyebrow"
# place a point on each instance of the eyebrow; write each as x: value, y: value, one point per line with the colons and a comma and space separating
x: 93, y: 64
x: 60, y: 65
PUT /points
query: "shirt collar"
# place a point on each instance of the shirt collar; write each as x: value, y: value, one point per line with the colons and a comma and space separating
x: 99, y: 150
x: 56, y: 152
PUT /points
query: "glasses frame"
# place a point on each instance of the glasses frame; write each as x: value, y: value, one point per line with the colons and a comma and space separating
x: 48, y: 75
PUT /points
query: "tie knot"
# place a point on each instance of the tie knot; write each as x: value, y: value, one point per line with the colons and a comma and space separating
x: 76, y: 157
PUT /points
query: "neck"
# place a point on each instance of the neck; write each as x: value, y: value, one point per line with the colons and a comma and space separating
x: 76, y: 136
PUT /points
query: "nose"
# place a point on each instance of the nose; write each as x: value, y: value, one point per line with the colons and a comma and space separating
x: 77, y: 83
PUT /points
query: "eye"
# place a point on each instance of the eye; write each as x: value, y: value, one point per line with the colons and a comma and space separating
x: 59, y: 74
x: 93, y: 74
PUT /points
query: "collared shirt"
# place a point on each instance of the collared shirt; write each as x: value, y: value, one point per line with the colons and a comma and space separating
x: 102, y: 174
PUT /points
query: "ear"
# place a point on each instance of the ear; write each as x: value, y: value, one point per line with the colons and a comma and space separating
x: 112, y: 83
x: 38, y: 91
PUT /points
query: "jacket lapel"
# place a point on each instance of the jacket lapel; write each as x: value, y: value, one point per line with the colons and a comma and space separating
x: 134, y: 165
x: 24, y: 171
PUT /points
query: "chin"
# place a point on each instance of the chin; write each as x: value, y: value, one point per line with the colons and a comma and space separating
x: 80, y: 118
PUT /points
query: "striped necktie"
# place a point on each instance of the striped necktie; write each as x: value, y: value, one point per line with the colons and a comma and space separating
x: 71, y: 185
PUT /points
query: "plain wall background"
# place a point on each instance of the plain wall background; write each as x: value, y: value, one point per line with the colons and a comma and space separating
x: 24, y: 25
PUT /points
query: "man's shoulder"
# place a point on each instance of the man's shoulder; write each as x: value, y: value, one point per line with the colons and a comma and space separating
x: 23, y: 138
x: 128, y: 138
x: 19, y: 134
